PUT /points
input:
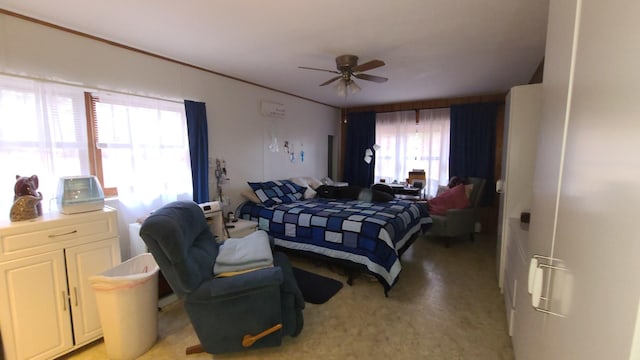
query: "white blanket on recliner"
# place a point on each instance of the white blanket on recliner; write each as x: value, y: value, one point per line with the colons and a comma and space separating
x: 240, y: 254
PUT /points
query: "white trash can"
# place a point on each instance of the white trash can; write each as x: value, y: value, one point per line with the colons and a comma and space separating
x: 127, y: 300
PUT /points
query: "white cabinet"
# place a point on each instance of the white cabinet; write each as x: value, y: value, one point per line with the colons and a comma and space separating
x: 82, y: 262
x: 34, y: 298
x: 523, y: 112
x: 47, y: 307
x: 586, y: 189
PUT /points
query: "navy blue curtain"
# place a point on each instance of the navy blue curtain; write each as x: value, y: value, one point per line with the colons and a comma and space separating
x: 473, y: 143
x: 361, y: 134
x: 198, y: 149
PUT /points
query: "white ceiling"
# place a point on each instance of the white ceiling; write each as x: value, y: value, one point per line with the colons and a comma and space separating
x: 432, y: 48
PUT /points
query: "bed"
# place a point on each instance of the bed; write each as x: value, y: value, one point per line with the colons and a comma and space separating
x: 359, y: 234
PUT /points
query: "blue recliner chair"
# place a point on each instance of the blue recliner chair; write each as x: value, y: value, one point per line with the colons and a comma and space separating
x: 250, y: 310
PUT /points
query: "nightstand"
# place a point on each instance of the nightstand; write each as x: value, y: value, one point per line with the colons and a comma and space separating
x: 242, y: 228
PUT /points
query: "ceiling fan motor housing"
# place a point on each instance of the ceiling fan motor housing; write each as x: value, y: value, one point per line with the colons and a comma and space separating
x: 346, y: 62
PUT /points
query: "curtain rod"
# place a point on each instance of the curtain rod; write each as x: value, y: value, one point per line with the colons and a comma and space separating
x: 416, y: 110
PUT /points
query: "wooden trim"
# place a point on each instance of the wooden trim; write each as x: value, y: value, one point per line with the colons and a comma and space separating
x: 130, y: 48
x: 91, y: 136
x: 95, y: 153
x: 431, y: 104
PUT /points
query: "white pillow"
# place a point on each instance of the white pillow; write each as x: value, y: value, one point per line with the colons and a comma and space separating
x: 250, y: 195
x: 299, y: 181
x: 313, y: 182
x: 309, y: 193
x: 327, y: 180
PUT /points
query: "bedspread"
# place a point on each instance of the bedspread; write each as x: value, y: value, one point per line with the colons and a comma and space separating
x: 369, y: 234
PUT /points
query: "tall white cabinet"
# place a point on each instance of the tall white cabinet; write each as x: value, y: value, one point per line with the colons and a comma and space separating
x: 47, y: 306
x: 585, y: 189
x: 523, y: 111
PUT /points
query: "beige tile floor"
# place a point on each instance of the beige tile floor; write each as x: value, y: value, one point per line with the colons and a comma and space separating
x: 446, y: 305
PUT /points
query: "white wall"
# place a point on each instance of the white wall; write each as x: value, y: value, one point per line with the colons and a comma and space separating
x: 237, y: 131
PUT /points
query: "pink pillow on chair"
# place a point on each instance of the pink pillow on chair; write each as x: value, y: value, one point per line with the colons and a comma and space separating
x: 454, y: 198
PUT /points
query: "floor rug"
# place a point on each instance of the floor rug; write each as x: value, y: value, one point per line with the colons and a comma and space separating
x: 316, y: 289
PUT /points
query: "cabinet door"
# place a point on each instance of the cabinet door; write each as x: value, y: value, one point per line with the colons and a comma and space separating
x: 523, y: 113
x: 35, y: 307
x: 529, y: 327
x: 82, y: 262
x: 597, y: 224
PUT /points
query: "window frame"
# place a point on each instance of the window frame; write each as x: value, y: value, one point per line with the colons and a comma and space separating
x: 95, y: 153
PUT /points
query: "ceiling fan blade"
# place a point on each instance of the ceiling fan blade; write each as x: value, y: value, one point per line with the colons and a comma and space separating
x: 368, y: 65
x: 378, y: 79
x: 331, y: 80
x: 310, y: 68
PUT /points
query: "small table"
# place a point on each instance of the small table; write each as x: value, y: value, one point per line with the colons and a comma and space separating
x: 241, y: 228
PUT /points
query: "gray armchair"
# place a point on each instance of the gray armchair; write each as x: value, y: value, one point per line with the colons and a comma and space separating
x: 459, y: 222
x: 250, y: 310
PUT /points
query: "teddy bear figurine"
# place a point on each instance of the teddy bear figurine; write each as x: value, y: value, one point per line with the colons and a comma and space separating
x: 27, y: 200
x: 25, y: 208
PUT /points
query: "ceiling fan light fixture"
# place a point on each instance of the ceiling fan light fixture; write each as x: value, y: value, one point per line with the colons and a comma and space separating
x: 341, y: 87
x: 353, y: 87
x: 347, y: 87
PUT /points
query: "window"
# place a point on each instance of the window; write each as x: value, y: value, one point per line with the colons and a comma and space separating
x: 42, y: 132
x: 137, y: 146
x: 141, y: 147
x: 410, y: 142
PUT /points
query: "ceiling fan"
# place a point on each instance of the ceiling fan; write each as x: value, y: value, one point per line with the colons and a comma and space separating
x: 347, y: 66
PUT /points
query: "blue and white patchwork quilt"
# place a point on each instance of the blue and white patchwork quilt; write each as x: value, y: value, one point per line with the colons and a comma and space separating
x: 365, y: 233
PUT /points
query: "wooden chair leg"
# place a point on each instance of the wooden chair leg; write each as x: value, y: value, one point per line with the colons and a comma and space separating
x: 249, y: 339
x: 195, y: 349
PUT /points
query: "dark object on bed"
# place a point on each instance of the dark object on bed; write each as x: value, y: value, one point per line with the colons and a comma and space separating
x: 316, y: 289
x: 227, y: 313
x: 374, y: 196
x: 364, y: 235
x: 352, y: 192
x: 383, y: 188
